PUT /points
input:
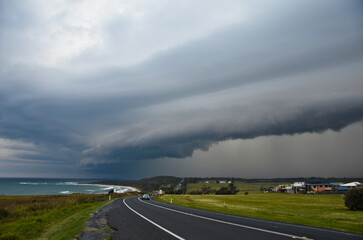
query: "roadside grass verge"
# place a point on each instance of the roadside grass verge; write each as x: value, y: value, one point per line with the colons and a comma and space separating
x: 71, y: 225
x: 325, y: 211
x: 48, y: 216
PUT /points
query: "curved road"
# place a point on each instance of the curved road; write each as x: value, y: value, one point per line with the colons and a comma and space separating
x: 133, y: 218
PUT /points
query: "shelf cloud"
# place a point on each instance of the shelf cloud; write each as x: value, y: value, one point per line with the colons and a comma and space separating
x: 88, y: 88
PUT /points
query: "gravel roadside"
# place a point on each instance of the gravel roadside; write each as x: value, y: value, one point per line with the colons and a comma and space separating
x: 97, y: 227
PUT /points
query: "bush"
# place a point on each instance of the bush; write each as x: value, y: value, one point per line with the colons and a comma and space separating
x: 82, y: 200
x: 3, y: 213
x: 178, y: 191
x: 230, y: 190
x: 223, y: 191
x: 8, y: 237
x: 208, y: 190
x: 354, y: 199
x: 195, y: 192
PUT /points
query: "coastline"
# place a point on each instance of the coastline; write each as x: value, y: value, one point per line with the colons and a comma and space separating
x: 128, y: 188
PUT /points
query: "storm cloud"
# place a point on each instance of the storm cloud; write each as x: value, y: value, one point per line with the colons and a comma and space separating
x: 89, y: 88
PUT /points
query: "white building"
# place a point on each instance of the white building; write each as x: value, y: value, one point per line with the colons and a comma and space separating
x: 351, y: 184
x: 298, y: 184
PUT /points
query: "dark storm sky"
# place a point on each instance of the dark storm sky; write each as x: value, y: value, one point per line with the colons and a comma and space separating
x: 137, y: 88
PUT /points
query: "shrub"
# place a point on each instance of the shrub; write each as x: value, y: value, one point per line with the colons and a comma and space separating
x: 354, y: 199
x: 230, y: 190
x: 8, y: 237
x: 223, y: 191
x: 195, y: 192
x: 3, y: 213
x: 82, y: 200
x: 178, y: 191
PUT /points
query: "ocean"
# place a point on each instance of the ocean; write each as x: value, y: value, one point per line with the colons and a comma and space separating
x: 50, y: 186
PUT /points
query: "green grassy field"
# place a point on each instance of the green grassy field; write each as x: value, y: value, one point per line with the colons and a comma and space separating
x: 242, y: 186
x: 326, y: 211
x: 47, y: 216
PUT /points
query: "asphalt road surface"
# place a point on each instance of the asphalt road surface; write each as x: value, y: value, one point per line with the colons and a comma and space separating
x: 133, y: 218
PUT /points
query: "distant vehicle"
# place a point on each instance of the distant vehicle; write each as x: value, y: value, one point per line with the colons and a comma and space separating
x: 145, y: 197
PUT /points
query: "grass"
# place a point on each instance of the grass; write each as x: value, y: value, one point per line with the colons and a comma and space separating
x: 242, y: 186
x: 47, y: 217
x: 71, y: 225
x: 326, y: 211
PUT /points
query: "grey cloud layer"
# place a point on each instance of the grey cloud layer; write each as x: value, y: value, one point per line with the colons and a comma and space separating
x: 287, y: 69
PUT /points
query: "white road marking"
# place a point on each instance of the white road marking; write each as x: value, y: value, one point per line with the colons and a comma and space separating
x: 164, y: 229
x: 233, y: 224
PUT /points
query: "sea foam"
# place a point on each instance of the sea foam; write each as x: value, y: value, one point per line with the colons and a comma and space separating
x: 33, y: 183
x: 67, y: 183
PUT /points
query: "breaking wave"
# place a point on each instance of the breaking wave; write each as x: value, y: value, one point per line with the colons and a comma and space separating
x: 33, y: 183
x: 67, y: 183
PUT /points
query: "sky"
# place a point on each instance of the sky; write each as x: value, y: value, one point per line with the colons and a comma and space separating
x: 133, y: 89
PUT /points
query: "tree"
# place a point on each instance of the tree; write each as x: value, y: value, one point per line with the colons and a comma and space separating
x: 353, y: 199
x: 231, y: 189
x: 223, y: 191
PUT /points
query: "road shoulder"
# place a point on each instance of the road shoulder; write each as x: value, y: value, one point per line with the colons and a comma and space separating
x: 97, y: 227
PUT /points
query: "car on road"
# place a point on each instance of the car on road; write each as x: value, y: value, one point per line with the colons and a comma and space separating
x: 145, y: 197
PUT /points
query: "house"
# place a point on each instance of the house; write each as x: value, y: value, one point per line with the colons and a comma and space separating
x: 351, y: 185
x: 290, y: 190
x: 298, y: 187
x: 222, y: 181
x: 340, y: 189
x: 336, y: 184
x: 282, y: 188
x: 318, y: 187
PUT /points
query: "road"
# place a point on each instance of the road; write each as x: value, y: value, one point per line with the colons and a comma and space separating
x: 178, y: 187
x: 133, y: 218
